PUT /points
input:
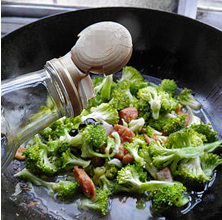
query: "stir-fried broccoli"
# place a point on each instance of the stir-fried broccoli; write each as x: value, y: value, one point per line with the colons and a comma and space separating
x: 122, y: 97
x: 70, y: 160
x: 169, y: 86
x: 102, y: 87
x: 65, y: 189
x: 168, y: 123
x: 211, y: 147
x: 112, y: 145
x: 144, y: 111
x: 38, y: 158
x: 158, y: 100
x: 103, y: 112
x: 136, y: 125
x: 209, y: 162
x: 206, y: 130
x: 94, y: 137
x: 198, y: 169
x: 185, y: 138
x: 169, y: 196
x: 132, y: 179
x: 162, y: 157
x: 151, y: 131
x: 135, y: 77
x: 62, y: 126
x: 136, y: 86
x: 190, y: 170
x: 131, y: 74
x: 149, y: 166
x: 164, y: 144
x: 187, y: 99
x: 101, y: 203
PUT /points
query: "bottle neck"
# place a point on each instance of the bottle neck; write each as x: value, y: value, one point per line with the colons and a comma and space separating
x: 73, y: 86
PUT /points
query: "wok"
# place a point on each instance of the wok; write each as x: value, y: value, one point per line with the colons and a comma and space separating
x: 165, y: 46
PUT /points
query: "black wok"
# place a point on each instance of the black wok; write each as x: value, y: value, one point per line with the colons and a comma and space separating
x: 165, y: 46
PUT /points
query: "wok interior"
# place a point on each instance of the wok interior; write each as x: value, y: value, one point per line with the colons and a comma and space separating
x: 165, y: 46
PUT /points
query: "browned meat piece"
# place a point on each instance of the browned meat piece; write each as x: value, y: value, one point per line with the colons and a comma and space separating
x: 126, y: 135
x: 128, y: 114
x: 85, y: 182
x: 164, y: 175
x: 127, y: 158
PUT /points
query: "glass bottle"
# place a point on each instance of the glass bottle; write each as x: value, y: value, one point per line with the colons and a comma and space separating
x: 33, y: 101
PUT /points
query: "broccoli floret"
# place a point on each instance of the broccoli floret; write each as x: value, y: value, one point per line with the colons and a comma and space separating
x: 102, y: 88
x: 101, y: 203
x: 98, y: 172
x: 136, y: 86
x: 206, y: 130
x: 111, y: 170
x: 174, y: 124
x: 134, y: 148
x: 38, y: 158
x: 162, y: 157
x: 90, y: 170
x: 65, y: 189
x: 136, y: 125
x: 107, y: 185
x: 169, y: 86
x: 199, y: 169
x: 185, y: 138
x: 94, y: 135
x: 168, y: 196
x: 131, y: 74
x: 211, y: 147
x: 103, y: 112
x: 131, y: 178
x: 112, y: 145
x: 158, y: 100
x: 68, y: 159
x: 151, y: 131
x: 159, y: 123
x: 122, y: 97
x: 144, y: 111
x: 149, y: 166
x: 64, y: 142
x: 190, y: 169
x: 209, y: 162
x: 187, y: 99
x: 168, y: 123
x: 150, y: 95
x: 97, y: 80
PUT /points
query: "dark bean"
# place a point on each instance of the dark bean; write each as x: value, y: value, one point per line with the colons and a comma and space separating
x: 82, y: 125
x: 73, y: 132
x: 89, y: 121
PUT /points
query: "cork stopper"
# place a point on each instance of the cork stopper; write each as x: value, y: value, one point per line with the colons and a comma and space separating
x: 102, y: 48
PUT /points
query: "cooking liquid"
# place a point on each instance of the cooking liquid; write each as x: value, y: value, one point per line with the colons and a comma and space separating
x: 122, y: 207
